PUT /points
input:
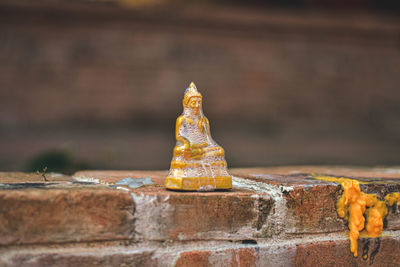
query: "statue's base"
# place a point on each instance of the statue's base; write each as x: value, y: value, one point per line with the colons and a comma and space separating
x: 198, y: 183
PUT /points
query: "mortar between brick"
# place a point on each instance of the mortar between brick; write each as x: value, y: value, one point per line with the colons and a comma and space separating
x: 277, y: 221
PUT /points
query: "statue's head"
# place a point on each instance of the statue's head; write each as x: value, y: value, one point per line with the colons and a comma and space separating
x: 192, y: 99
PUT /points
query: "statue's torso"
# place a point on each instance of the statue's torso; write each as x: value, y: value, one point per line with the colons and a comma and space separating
x: 194, y: 131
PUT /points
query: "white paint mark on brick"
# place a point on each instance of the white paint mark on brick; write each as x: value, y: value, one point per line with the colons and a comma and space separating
x: 278, y: 221
x: 86, y: 179
x: 153, y: 214
x: 123, y: 188
x: 237, y: 256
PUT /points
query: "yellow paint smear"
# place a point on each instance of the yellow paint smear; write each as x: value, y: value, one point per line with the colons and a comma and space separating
x: 354, y: 204
x: 393, y: 198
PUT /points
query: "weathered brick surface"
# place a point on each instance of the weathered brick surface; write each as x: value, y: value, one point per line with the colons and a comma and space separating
x: 111, y: 177
x: 228, y: 257
x: 292, y: 203
x: 378, y: 252
x: 311, y: 204
x: 14, y: 178
x: 309, y: 251
x: 372, y: 252
x: 200, y: 216
x: 63, y: 212
x: 108, y: 256
x: 194, y: 258
x: 272, y: 217
x: 302, y: 175
x: 166, y: 215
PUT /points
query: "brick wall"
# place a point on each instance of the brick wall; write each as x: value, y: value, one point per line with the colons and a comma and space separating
x: 272, y: 217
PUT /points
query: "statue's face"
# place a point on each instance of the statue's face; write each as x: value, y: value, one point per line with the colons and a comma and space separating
x: 195, y: 104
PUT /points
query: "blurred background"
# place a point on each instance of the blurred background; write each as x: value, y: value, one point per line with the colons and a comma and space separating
x: 98, y: 84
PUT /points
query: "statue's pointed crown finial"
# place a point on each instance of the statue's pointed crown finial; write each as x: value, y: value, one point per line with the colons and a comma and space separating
x: 193, y: 86
x: 190, y: 92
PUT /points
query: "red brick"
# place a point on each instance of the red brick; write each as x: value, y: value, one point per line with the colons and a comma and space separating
x: 225, y: 257
x: 83, y: 257
x: 245, y: 257
x: 380, y: 252
x: 165, y: 215
x: 298, y: 252
x: 311, y: 203
x: 67, y: 211
x: 308, y: 250
x: 172, y: 215
x: 22, y: 177
x: 236, y: 254
x: 65, y: 214
x: 313, y: 209
x: 193, y: 258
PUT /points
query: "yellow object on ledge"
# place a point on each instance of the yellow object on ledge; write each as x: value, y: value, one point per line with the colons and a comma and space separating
x: 364, y: 212
x: 198, y: 162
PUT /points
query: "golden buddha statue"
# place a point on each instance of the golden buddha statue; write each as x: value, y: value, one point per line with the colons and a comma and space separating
x: 198, y: 162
